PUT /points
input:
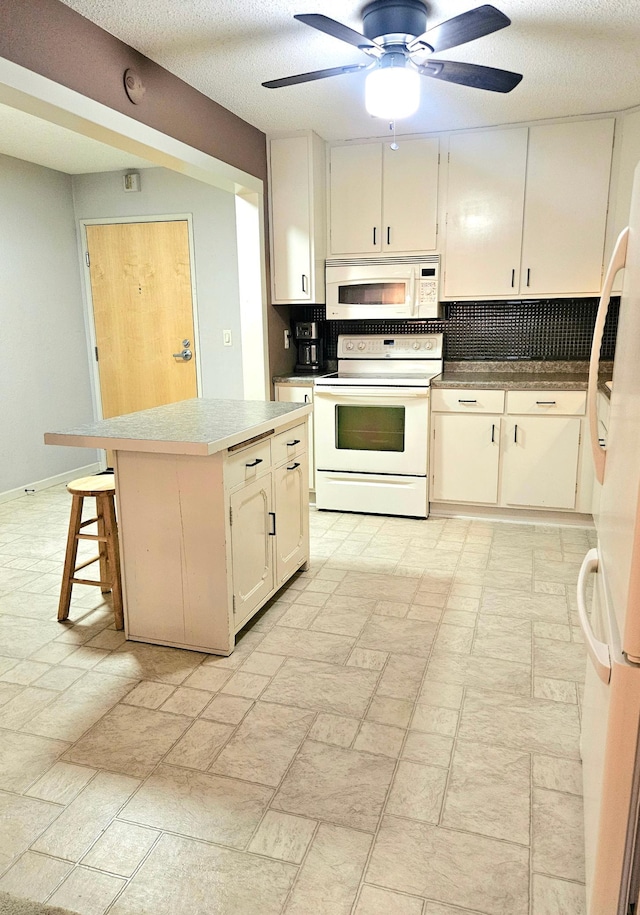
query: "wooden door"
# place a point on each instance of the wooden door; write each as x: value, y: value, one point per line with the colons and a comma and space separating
x: 410, y: 195
x: 143, y: 311
x: 485, y: 212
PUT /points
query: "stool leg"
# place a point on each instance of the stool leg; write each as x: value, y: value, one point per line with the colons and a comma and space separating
x: 70, y: 557
x: 113, y: 557
x: 105, y: 571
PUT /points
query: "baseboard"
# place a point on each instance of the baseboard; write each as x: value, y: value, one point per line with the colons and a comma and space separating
x: 512, y: 515
x: 65, y: 477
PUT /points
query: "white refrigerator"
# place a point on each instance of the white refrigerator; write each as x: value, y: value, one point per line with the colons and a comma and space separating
x: 610, y: 740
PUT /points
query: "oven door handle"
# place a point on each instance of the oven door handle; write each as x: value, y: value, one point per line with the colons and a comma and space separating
x: 387, y: 393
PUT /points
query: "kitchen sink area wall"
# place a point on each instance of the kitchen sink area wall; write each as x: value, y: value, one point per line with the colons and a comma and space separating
x: 215, y: 257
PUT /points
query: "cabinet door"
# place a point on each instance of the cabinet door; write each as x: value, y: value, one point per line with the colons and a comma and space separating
x: 290, y: 218
x: 292, y: 393
x: 465, y: 458
x: 540, y: 461
x: 565, y: 212
x: 484, y: 212
x: 356, y: 199
x: 291, y: 503
x: 251, y: 546
x: 410, y: 195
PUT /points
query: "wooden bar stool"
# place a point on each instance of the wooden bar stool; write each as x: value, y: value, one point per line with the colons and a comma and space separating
x: 102, y: 488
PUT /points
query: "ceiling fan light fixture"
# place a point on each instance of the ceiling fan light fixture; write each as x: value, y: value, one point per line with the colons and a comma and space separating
x: 392, y: 92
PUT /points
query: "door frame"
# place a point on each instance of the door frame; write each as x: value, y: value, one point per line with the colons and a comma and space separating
x: 88, y: 297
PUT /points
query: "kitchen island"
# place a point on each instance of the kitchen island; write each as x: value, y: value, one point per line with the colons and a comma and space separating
x: 212, y: 502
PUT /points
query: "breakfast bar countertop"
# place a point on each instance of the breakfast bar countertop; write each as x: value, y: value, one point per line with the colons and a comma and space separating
x: 200, y: 426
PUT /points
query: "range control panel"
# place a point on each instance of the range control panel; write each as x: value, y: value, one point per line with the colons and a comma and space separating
x: 380, y: 346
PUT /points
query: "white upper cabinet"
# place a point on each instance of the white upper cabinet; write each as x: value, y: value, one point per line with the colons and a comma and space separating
x: 487, y: 172
x: 527, y: 210
x: 384, y: 201
x: 297, y: 208
x: 568, y: 171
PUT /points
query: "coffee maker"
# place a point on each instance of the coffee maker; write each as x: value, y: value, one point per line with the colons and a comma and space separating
x: 309, y: 343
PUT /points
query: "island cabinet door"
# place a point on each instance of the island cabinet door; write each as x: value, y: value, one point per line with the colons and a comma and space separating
x: 252, y: 527
x: 291, y: 498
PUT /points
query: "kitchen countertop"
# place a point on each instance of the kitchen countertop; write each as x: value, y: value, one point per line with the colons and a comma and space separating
x: 518, y: 376
x: 201, y: 426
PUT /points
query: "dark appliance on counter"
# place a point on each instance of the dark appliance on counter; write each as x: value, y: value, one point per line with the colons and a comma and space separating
x: 308, y: 339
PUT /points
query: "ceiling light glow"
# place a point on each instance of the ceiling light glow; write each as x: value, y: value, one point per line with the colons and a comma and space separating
x: 392, y: 92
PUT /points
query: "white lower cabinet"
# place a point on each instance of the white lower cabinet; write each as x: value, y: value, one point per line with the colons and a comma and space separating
x: 268, y: 519
x: 465, y: 458
x: 301, y: 393
x: 528, y: 455
x: 540, y: 461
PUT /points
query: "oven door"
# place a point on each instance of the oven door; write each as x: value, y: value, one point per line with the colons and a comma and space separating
x: 372, y: 429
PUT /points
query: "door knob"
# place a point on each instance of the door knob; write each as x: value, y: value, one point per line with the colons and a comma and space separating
x: 185, y: 355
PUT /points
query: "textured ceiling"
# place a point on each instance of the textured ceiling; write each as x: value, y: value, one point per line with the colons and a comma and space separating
x: 26, y: 137
x: 577, y: 56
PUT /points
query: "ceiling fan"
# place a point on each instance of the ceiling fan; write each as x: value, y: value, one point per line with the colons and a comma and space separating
x: 395, y: 36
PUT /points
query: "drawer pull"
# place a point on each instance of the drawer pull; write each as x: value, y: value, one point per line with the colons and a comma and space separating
x: 254, y: 463
x: 467, y: 401
x: 293, y: 466
x: 545, y: 403
x: 296, y: 441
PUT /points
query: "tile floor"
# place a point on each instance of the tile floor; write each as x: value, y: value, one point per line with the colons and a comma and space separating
x: 397, y: 734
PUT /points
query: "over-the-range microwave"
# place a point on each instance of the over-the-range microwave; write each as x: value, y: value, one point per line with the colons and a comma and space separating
x: 389, y: 288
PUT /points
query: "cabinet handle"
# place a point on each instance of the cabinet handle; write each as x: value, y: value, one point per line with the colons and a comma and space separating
x: 528, y: 275
x: 293, y: 466
x: 254, y: 463
x: 272, y: 518
x: 602, y: 442
x: 388, y: 235
x: 493, y: 433
x: 307, y: 399
x: 513, y: 278
x: 467, y: 401
x: 374, y: 235
x: 545, y: 403
x: 296, y: 441
x: 515, y: 434
x: 304, y: 283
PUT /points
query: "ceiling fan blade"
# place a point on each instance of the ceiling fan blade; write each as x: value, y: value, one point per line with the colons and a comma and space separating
x: 315, y: 74
x: 467, y: 27
x: 471, y: 75
x: 338, y: 30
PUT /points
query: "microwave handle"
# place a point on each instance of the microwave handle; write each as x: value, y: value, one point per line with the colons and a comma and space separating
x: 415, y: 304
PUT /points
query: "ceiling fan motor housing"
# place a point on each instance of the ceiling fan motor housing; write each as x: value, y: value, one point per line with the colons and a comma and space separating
x: 394, y: 19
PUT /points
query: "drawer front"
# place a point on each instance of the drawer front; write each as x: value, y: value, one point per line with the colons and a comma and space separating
x: 286, y: 445
x: 247, y: 464
x: 467, y: 400
x: 571, y: 403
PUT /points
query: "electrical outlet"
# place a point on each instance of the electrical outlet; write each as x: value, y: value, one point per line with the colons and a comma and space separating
x: 226, y: 338
x: 287, y: 339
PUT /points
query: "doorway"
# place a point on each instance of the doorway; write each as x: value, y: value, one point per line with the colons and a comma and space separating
x: 141, y: 289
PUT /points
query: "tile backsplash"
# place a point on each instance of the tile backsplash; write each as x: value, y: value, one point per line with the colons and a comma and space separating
x: 544, y: 329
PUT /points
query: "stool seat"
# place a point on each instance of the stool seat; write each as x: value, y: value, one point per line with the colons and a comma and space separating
x: 102, y: 488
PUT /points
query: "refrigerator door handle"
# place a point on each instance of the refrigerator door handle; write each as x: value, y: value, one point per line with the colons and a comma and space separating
x: 598, y: 651
x: 617, y: 262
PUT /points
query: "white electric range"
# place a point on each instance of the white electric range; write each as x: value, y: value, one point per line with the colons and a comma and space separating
x: 372, y: 424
